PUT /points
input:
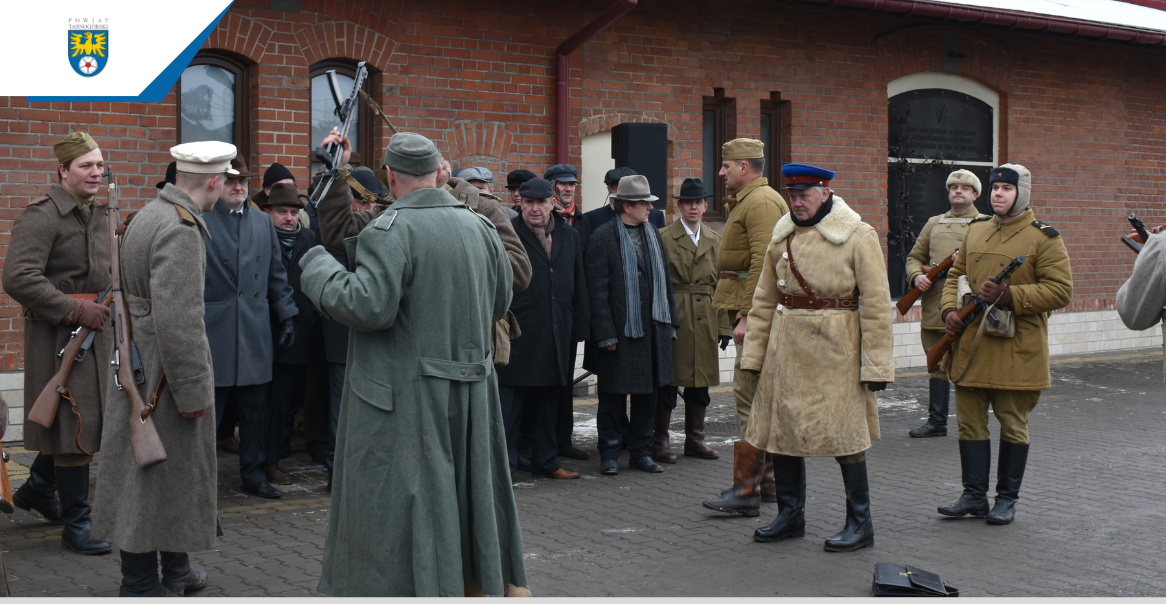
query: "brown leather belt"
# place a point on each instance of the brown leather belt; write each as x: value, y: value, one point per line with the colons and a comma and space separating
x: 696, y: 290
x: 817, y: 302
x: 734, y: 274
x: 84, y: 297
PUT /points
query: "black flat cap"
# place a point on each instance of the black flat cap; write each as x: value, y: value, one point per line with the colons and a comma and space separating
x: 536, y: 188
x: 516, y: 177
x: 612, y: 177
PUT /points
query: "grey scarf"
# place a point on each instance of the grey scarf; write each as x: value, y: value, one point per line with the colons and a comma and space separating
x: 634, y: 326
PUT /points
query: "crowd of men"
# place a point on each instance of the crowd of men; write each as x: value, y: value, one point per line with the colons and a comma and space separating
x: 427, y: 332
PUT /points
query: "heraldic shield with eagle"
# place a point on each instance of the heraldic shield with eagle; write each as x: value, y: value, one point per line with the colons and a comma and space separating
x: 88, y: 50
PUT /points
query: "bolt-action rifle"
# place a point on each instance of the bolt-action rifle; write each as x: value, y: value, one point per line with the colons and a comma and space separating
x: 44, y: 410
x: 937, y: 272
x: 144, y: 439
x: 967, y: 314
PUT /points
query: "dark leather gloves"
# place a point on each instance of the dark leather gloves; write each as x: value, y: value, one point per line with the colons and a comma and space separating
x: 725, y: 341
x: 876, y: 386
x: 311, y: 255
x: 287, y: 334
x: 952, y: 322
x: 1000, y: 294
x: 90, y: 314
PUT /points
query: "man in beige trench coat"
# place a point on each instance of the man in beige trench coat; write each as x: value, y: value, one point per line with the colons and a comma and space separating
x: 821, y: 355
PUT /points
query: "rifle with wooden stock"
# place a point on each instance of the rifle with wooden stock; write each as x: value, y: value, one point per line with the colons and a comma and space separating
x: 904, y: 304
x: 44, y: 410
x: 147, y: 445
x: 967, y: 314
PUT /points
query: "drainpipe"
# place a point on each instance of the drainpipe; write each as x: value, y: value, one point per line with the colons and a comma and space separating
x: 563, y: 75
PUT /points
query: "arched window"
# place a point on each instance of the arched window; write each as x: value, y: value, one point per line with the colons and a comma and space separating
x: 213, y: 101
x: 937, y: 123
x: 324, y: 117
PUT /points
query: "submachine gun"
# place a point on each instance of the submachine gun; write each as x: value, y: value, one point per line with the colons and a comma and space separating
x: 347, y: 108
x: 1140, y: 227
x: 967, y: 314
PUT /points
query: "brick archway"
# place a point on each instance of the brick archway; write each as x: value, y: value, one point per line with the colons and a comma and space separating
x: 479, y: 141
x: 343, y: 39
x: 607, y: 121
x: 241, y: 35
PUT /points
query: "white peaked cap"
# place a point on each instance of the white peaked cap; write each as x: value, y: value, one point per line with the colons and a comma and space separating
x: 206, y: 157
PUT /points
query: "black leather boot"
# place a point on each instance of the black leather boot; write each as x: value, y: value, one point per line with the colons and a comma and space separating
x: 859, y: 531
x: 1009, y: 472
x: 39, y: 492
x: 790, y: 485
x: 177, y: 576
x: 744, y: 496
x: 975, y: 463
x: 74, y: 487
x: 938, y: 399
x: 139, y: 576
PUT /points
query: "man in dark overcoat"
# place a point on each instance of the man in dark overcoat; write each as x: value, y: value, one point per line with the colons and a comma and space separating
x: 288, y: 374
x: 245, y: 283
x: 169, y: 507
x: 633, y: 323
x: 554, y: 311
x: 58, y: 261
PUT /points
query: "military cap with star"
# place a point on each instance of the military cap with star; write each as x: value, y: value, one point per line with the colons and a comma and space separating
x: 804, y: 176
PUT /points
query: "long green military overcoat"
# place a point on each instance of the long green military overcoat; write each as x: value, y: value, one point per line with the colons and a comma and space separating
x: 421, y: 496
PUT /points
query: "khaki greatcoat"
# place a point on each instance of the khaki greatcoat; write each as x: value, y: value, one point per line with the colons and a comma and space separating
x: 169, y: 506
x: 694, y: 272
x: 810, y: 399
x: 752, y: 213
x: 53, y: 252
x: 1041, y: 285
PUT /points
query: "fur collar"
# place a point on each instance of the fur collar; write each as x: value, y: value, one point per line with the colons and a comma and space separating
x: 836, y: 227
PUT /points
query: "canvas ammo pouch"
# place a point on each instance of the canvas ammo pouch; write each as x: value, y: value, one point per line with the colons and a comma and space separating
x: 999, y: 322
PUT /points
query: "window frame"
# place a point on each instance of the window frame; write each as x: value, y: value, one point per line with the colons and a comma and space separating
x: 365, y: 151
x: 242, y: 72
x: 776, y: 149
x: 716, y: 211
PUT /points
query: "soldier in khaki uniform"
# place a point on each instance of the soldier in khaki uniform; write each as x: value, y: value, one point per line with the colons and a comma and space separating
x: 58, y: 262
x: 169, y: 507
x: 692, y: 251
x: 754, y: 207
x: 938, y: 240
x: 1007, y: 373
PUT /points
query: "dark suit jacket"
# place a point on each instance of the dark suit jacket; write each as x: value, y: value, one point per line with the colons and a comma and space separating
x: 309, y: 316
x: 245, y: 282
x: 553, y: 311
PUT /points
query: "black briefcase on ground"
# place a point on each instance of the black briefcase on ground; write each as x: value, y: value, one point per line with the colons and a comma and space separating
x: 905, y: 581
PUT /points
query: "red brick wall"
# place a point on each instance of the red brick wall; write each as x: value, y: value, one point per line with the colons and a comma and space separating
x: 1088, y: 118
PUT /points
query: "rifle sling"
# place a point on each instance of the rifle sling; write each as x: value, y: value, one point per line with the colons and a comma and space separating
x: 154, y: 398
x: 67, y: 395
x: 971, y: 353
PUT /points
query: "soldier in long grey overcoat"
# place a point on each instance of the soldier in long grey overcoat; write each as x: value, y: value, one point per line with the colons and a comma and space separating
x: 421, y: 497
x: 58, y: 262
x: 169, y: 507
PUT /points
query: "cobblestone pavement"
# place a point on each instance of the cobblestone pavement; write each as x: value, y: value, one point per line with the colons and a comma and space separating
x: 1089, y: 515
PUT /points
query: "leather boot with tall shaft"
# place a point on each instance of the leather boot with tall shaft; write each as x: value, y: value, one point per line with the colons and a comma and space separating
x: 139, y: 576
x: 661, y: 450
x: 790, y: 491
x: 939, y: 398
x: 742, y: 498
x: 768, y: 487
x: 859, y: 530
x: 73, y: 483
x: 177, y: 576
x: 39, y: 492
x: 975, y: 463
x: 1009, y: 473
x: 694, y: 445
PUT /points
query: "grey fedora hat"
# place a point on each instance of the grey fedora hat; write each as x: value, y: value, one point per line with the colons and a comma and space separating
x: 634, y: 188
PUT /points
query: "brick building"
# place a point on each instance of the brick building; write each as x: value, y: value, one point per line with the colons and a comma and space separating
x: 1083, y: 108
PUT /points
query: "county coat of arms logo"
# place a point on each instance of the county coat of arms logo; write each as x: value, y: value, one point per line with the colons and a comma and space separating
x: 88, y: 45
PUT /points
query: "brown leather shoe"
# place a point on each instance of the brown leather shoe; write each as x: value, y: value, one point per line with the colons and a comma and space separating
x: 229, y: 445
x: 768, y: 482
x: 563, y: 474
x: 661, y: 451
x: 276, y: 475
x: 694, y: 445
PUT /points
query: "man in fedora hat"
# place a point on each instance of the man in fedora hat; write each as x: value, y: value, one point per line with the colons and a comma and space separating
x: 692, y: 264
x: 289, y: 372
x: 58, y: 261
x: 246, y: 283
x: 600, y: 216
x: 633, y: 323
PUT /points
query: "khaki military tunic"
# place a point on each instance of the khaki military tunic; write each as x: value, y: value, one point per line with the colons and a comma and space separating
x: 938, y: 240
x: 58, y: 247
x: 752, y: 213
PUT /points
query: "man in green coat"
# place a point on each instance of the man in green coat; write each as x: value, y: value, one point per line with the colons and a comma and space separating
x: 421, y: 496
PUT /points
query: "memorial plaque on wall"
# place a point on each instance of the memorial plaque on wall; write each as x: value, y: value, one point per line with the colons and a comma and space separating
x: 939, y: 124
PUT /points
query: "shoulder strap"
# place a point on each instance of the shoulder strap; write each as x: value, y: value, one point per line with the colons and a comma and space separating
x: 183, y: 214
x: 793, y: 266
x: 121, y: 228
x: 1046, y: 229
x: 39, y: 201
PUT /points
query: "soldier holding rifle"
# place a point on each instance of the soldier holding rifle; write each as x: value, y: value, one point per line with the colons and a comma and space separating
x: 938, y: 240
x: 58, y: 262
x: 168, y: 507
x: 1004, y: 368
